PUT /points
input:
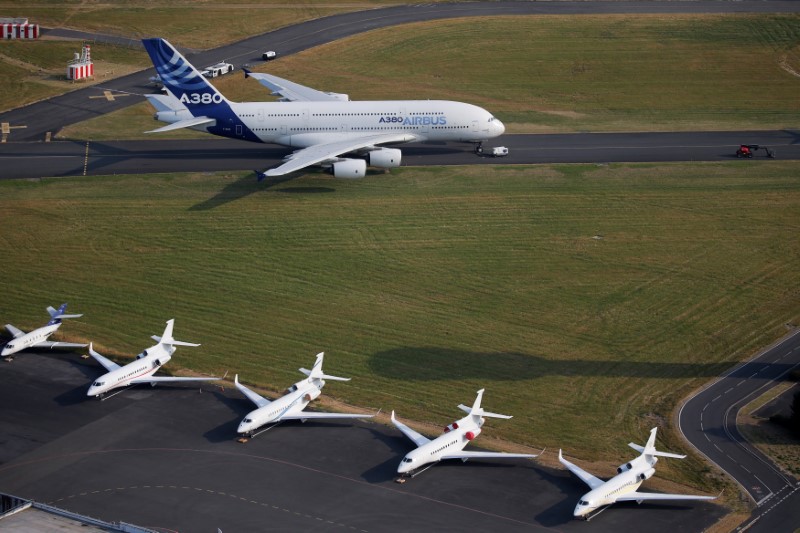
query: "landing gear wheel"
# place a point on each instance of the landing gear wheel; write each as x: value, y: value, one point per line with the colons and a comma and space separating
x: 479, y: 148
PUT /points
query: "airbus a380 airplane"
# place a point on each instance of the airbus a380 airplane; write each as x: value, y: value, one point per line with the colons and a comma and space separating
x: 622, y: 487
x: 290, y: 406
x: 450, y: 445
x: 322, y: 126
x: 142, y: 369
x: 38, y: 337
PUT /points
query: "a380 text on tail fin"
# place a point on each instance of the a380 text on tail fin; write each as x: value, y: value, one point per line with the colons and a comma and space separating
x: 180, y: 77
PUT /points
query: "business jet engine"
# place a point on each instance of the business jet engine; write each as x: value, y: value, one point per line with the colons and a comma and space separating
x: 647, y: 474
x: 385, y: 157
x: 311, y: 395
x: 349, y: 169
x: 624, y: 468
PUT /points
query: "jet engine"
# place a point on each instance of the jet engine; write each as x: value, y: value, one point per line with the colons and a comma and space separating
x: 470, y: 435
x: 311, y: 395
x: 623, y: 468
x: 647, y: 474
x: 349, y: 169
x: 385, y: 157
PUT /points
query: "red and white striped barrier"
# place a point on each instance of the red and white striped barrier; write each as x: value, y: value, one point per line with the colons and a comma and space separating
x: 20, y: 31
x: 80, y: 71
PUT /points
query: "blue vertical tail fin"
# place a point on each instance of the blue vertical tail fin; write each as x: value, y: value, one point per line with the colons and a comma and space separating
x: 182, y: 79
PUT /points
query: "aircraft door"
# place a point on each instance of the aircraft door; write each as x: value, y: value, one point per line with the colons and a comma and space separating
x: 238, y: 130
x: 261, y: 115
x: 475, y: 125
x: 284, y: 129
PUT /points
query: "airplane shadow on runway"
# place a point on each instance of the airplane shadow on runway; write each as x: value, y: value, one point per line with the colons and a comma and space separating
x: 430, y: 364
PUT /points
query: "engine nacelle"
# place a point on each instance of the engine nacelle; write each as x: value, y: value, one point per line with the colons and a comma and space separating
x: 385, y: 157
x: 647, y: 474
x: 470, y: 435
x: 311, y: 395
x: 623, y: 468
x: 349, y: 169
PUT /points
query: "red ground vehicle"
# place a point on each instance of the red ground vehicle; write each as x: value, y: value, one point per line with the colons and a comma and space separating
x: 748, y: 150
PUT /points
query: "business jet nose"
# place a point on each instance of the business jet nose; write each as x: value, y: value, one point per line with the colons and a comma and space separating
x: 405, y: 465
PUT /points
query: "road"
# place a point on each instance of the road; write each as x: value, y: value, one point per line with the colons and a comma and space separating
x: 70, y: 158
x: 708, y: 421
x: 55, y: 113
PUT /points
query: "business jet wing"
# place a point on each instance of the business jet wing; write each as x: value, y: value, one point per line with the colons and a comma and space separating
x: 585, y: 476
x: 290, y: 91
x: 107, y: 363
x: 254, y: 397
x: 305, y: 415
x: 319, y: 153
x: 167, y: 379
x: 643, y: 496
x: 418, y: 439
x: 56, y: 344
x: 14, y: 331
x: 486, y: 455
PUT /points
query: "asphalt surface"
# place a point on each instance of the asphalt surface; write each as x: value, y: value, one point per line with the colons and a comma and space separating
x: 55, y: 113
x: 167, y: 458
x: 72, y: 158
x: 708, y: 421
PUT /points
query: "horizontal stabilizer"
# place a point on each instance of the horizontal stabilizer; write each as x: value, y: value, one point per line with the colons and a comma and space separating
x: 188, y: 123
x: 165, y: 102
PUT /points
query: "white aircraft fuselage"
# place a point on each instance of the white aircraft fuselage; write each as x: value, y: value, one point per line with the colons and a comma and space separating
x: 146, y: 364
x: 639, y: 470
x: 455, y: 438
x: 295, y: 400
x: 303, y: 124
x: 29, y: 339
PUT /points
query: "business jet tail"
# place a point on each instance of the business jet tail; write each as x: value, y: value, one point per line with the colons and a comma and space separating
x: 649, y: 449
x: 316, y: 370
x: 477, y: 410
x: 56, y: 315
x: 183, y: 80
x: 166, y: 337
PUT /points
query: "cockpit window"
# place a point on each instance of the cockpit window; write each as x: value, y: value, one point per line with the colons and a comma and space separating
x: 98, y: 383
x: 406, y: 460
x: 247, y: 420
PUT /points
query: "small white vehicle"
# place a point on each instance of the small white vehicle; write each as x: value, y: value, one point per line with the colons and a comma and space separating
x: 268, y: 55
x: 217, y: 70
x: 499, y: 151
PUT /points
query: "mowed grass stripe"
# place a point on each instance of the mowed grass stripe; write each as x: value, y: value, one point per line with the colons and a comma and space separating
x: 578, y: 296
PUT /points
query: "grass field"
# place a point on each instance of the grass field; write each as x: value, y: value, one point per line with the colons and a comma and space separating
x: 586, y: 299
x: 552, y: 74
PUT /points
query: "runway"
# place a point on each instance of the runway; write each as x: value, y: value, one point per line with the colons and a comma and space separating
x: 166, y: 458
x: 71, y: 158
x: 708, y: 421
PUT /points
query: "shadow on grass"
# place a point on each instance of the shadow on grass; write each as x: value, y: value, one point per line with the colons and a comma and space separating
x: 248, y: 185
x: 431, y: 364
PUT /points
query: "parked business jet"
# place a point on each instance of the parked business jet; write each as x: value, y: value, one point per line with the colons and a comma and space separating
x: 38, y: 337
x: 450, y: 445
x: 290, y: 406
x: 323, y: 126
x: 622, y: 487
x: 142, y: 369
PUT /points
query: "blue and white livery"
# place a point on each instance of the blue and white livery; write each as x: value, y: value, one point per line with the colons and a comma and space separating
x: 323, y: 126
x: 38, y: 337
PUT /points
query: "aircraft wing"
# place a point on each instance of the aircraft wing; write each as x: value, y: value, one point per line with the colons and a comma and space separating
x: 643, y: 496
x: 254, y: 397
x: 418, y: 439
x: 319, y: 153
x: 305, y: 415
x: 585, y: 476
x: 188, y: 123
x: 290, y: 91
x: 107, y: 363
x: 167, y: 379
x: 14, y: 331
x: 55, y: 344
x: 486, y: 455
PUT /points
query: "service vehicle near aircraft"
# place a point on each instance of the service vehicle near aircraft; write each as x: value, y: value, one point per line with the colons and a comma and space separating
x: 219, y: 69
x: 269, y: 55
